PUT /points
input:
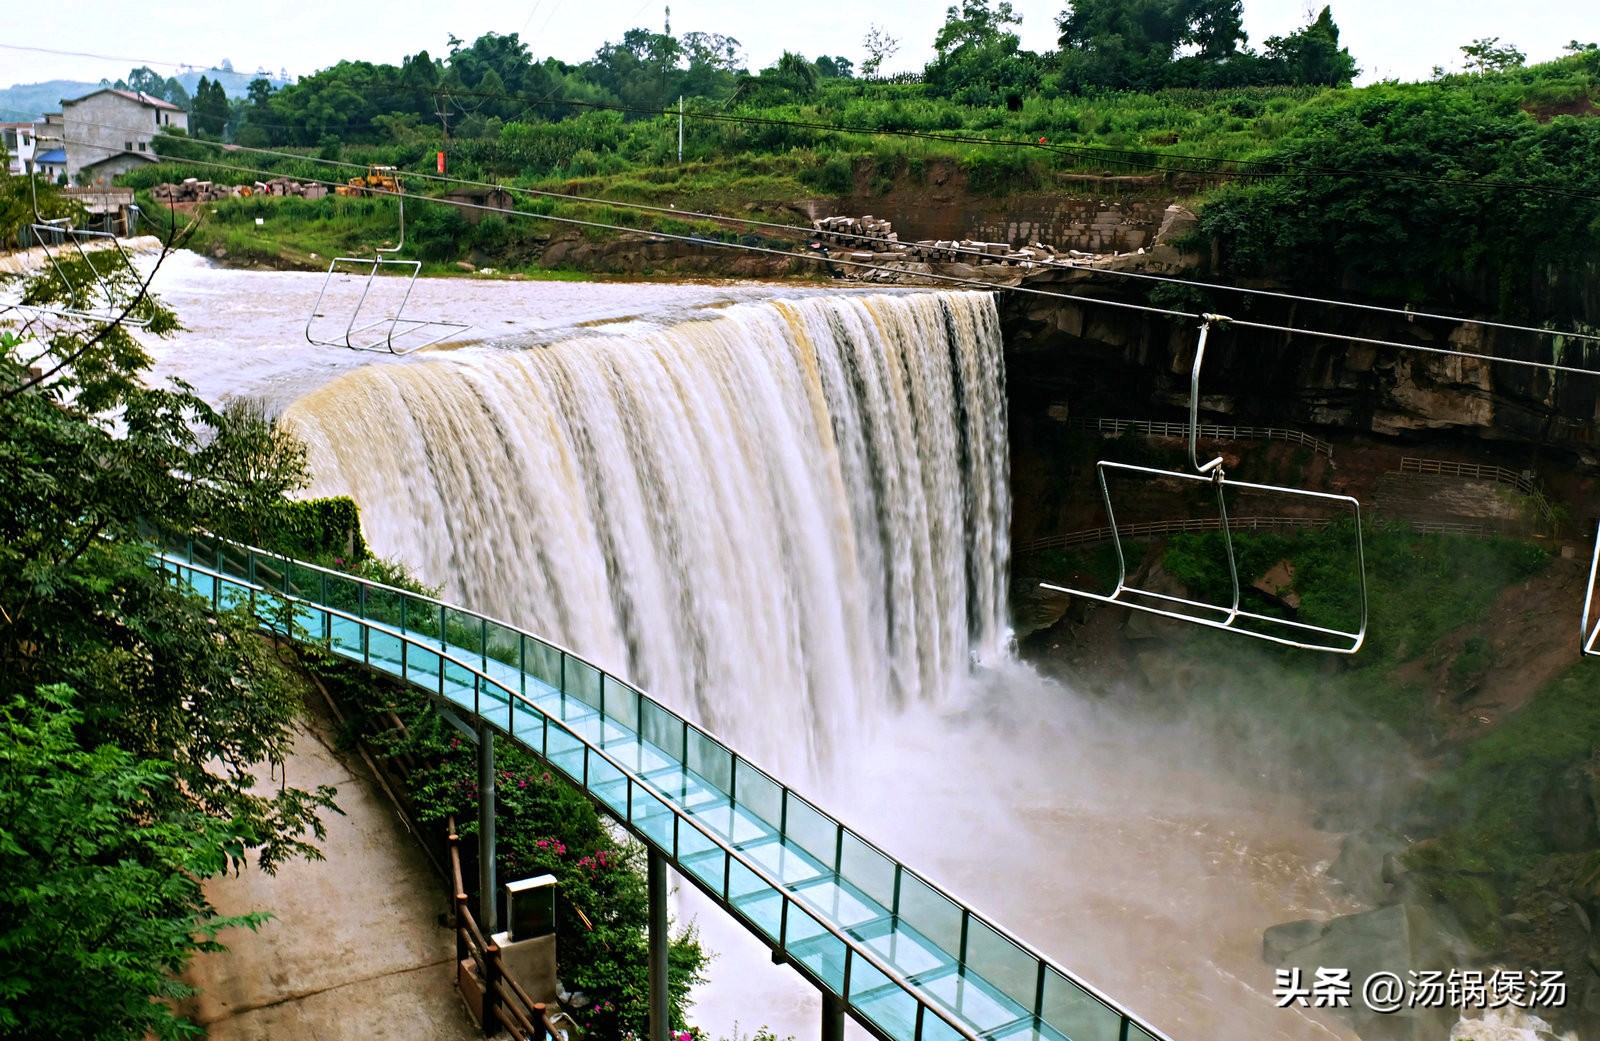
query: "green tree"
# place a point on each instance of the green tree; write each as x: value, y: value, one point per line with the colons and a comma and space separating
x: 880, y: 47
x: 100, y: 899
x: 978, y: 60
x: 97, y: 463
x: 1312, y: 56
x: 209, y: 111
x: 1486, y: 55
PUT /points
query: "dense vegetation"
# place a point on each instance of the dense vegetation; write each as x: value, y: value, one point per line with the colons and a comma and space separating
x: 131, y: 717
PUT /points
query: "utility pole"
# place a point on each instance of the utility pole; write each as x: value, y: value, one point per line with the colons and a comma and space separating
x: 680, y: 128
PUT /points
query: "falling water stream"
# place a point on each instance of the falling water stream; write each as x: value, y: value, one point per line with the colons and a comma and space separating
x: 785, y: 513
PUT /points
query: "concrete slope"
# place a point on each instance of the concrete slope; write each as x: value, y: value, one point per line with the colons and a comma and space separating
x: 356, y: 950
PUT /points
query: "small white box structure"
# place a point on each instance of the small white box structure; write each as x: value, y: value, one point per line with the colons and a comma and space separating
x: 528, y: 946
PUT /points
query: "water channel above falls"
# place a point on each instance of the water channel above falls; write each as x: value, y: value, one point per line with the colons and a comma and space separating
x: 788, y: 519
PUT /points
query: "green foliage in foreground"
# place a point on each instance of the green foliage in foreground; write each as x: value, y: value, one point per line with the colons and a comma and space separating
x: 140, y: 714
x: 543, y: 825
x: 102, y: 903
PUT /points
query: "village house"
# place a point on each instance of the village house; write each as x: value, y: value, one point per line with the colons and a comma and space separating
x: 110, y: 132
x: 18, y: 141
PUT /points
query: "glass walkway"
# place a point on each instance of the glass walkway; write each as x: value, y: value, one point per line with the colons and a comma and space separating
x: 908, y: 962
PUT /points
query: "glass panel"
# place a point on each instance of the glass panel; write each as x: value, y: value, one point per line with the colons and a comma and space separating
x: 233, y: 595
x: 974, y: 1001
x: 811, y: 830
x: 710, y: 760
x: 701, y: 857
x: 844, y: 905
x: 384, y: 650
x: 622, y: 703
x: 583, y: 681
x: 758, y: 901
x: 422, y: 668
x: 930, y: 913
x: 936, y: 1029
x: 566, y: 754
x: 653, y: 817
x: 463, y: 629
x: 344, y: 594
x: 1005, y: 965
x: 883, y: 1002
x: 383, y: 605
x: 814, y: 947
x: 303, y: 581
x: 458, y: 683
x: 420, y: 617
x: 542, y: 660
x: 503, y: 643
x: 661, y: 728
x: 758, y: 793
x: 1077, y: 1013
x: 609, y: 784
x: 1136, y: 1033
x: 866, y: 868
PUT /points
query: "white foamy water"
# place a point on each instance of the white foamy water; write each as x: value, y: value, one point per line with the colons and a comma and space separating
x: 788, y: 518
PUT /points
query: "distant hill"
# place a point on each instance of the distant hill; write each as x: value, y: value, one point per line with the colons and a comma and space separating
x: 27, y: 101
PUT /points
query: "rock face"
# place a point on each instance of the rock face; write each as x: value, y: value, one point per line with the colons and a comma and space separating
x: 1398, y: 939
x: 1120, y: 362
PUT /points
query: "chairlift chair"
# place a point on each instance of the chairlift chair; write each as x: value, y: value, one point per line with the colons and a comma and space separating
x: 414, y: 333
x: 1231, y: 617
x: 53, y: 235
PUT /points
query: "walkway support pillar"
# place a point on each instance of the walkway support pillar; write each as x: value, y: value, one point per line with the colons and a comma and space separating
x: 832, y: 1017
x: 660, y: 1021
x: 488, y: 913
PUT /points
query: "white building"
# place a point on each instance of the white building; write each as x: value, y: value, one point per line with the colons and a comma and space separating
x: 110, y: 132
x: 18, y: 141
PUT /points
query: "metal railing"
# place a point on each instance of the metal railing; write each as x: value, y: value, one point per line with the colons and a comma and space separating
x: 1207, y: 431
x: 1521, y: 482
x: 1156, y: 529
x: 909, y: 961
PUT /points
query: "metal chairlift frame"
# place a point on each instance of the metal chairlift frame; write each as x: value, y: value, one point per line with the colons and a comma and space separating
x: 1233, y: 617
x: 1590, y: 629
x: 384, y: 342
x: 60, y: 228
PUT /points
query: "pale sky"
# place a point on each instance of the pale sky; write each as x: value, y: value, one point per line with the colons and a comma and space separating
x: 1400, y: 39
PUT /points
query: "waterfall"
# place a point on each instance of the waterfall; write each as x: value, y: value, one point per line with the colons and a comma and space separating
x: 784, y: 519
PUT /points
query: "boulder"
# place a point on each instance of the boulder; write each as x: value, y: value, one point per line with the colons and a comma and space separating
x: 1399, y: 939
x: 1360, y: 866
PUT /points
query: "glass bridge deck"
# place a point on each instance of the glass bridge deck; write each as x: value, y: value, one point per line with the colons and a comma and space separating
x: 909, y: 961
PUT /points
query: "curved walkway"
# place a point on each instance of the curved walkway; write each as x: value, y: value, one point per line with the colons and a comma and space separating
x: 347, y: 955
x: 908, y: 960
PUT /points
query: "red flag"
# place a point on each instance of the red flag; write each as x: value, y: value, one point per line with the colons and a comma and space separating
x: 441, y: 162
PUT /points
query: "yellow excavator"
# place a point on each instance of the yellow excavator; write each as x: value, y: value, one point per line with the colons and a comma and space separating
x: 376, y: 179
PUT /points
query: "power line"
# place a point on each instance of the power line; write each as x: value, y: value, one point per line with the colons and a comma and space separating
x: 979, y: 284
x: 977, y: 254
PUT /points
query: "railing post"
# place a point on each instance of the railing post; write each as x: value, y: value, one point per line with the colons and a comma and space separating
x: 660, y: 1021
x: 488, y: 916
x: 832, y: 1017
x: 492, y: 972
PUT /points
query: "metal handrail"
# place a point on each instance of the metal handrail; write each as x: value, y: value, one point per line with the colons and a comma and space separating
x: 1483, y: 471
x: 1209, y: 431
x: 854, y: 949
